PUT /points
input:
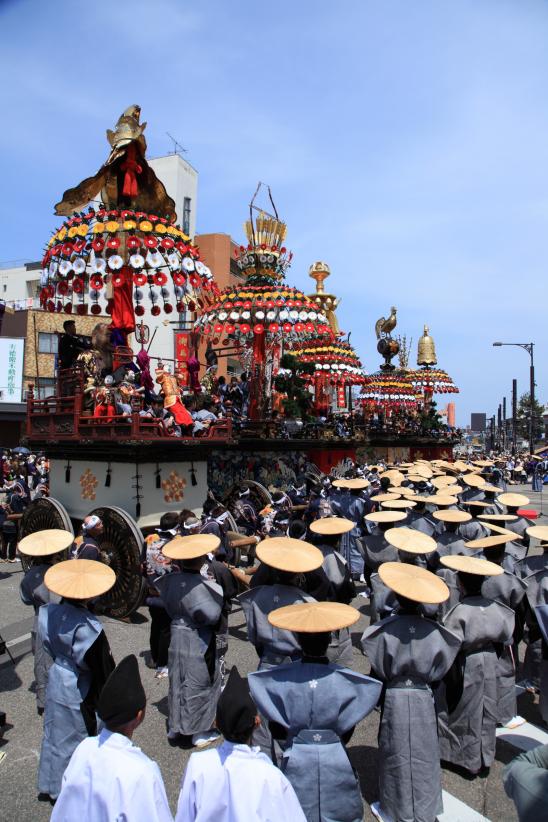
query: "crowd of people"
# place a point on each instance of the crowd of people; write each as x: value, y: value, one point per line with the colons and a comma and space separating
x: 25, y: 477
x: 117, y: 384
x: 442, y: 554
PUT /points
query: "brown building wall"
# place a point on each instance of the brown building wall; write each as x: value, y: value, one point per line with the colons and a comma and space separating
x: 217, y: 252
x: 29, y: 324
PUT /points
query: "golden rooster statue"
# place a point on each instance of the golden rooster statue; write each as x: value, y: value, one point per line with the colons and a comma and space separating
x: 383, y: 327
x: 125, y: 179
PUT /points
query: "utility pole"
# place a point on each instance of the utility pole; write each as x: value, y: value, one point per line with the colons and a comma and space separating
x: 514, y: 416
x: 504, y: 425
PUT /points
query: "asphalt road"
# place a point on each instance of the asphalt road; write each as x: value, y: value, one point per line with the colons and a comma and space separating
x: 22, y: 737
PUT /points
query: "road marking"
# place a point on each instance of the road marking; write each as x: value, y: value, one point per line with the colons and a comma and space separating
x: 17, y: 640
x: 456, y: 811
x: 526, y: 736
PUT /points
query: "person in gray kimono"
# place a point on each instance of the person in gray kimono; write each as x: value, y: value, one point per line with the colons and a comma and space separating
x: 490, y: 494
x: 326, y: 534
x: 349, y: 504
x: 537, y: 598
x: 473, y: 487
x: 527, y: 569
x: 517, y: 550
x: 409, y: 653
x: 82, y: 662
x: 313, y: 707
x: 449, y: 538
x: 467, y: 723
x: 474, y: 528
x: 44, y: 549
x: 420, y: 518
x: 290, y: 559
x: 541, y: 616
x: 510, y: 590
x: 195, y: 606
x: 376, y: 549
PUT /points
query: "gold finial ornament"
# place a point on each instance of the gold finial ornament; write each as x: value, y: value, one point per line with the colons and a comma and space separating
x: 426, y: 354
x: 327, y: 303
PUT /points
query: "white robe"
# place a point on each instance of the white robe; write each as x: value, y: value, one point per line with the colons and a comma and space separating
x: 236, y: 783
x: 108, y: 779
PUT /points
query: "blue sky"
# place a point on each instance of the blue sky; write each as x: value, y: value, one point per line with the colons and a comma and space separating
x: 406, y: 144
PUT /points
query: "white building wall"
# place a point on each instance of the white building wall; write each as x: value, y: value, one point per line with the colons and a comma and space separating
x: 181, y: 182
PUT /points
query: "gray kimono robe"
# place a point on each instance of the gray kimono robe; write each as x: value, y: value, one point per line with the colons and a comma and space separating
x: 351, y: 545
x: 474, y: 529
x: 343, y: 590
x: 273, y: 645
x: 378, y: 550
x: 537, y: 596
x: 34, y: 592
x: 408, y: 652
x: 195, y: 607
x: 316, y: 704
x: 510, y: 591
x: 421, y: 521
x: 517, y: 550
x: 468, y: 732
x: 67, y: 633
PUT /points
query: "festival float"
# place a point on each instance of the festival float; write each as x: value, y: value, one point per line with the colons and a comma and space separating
x: 337, y: 367
x: 127, y: 262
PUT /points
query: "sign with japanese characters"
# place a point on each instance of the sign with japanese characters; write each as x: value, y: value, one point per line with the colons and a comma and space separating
x: 182, y: 351
x: 11, y: 369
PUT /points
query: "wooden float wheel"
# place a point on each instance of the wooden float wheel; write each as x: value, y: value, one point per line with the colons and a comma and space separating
x: 40, y: 515
x: 122, y: 547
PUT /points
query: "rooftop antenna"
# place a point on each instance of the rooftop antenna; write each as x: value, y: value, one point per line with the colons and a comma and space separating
x: 177, y: 147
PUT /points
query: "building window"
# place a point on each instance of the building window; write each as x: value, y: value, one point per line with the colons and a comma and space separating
x: 186, y: 216
x: 43, y: 387
x: 47, y: 343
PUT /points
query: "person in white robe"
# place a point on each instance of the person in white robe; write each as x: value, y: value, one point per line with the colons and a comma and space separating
x: 236, y: 782
x: 108, y: 777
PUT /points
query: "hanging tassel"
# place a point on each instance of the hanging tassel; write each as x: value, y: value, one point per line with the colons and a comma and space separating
x: 158, y: 476
x: 138, y: 510
x: 107, y: 478
x: 67, y: 471
x: 193, y: 480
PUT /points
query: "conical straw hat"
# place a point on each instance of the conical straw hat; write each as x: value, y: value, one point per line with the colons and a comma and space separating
x: 472, y: 565
x: 414, y: 583
x: 45, y: 543
x: 476, y: 503
x: 514, y: 500
x: 331, y: 526
x: 357, y: 483
x: 385, y: 516
x: 395, y: 504
x: 498, y: 517
x: 287, y: 554
x: 452, y: 515
x: 410, y: 540
x: 440, y: 482
x: 191, y: 547
x: 496, y: 529
x: 538, y: 532
x: 79, y: 578
x: 473, y: 480
x: 443, y: 499
x: 314, y: 617
x: 385, y: 497
x: 489, y: 542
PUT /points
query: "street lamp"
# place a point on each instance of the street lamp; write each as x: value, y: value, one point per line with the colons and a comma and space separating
x: 529, y: 347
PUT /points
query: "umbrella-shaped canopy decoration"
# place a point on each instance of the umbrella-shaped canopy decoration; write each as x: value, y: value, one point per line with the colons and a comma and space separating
x: 123, y: 258
x: 336, y: 365
x: 433, y: 381
x: 336, y: 360
x: 386, y: 391
x: 262, y: 313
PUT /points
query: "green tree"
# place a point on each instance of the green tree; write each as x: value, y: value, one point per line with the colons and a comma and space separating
x: 431, y: 420
x: 524, y: 415
x: 298, y: 400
